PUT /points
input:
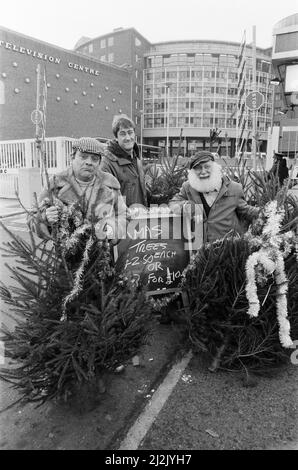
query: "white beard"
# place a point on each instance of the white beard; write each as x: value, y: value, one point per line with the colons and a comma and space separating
x: 205, y: 185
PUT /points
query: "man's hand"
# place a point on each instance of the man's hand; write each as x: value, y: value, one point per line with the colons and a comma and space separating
x: 52, y: 215
x: 109, y: 231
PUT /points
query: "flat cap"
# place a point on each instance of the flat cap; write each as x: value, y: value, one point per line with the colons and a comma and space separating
x: 88, y: 145
x: 200, y: 157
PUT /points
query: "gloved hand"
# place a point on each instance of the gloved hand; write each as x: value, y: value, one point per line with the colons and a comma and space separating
x: 51, y: 214
x: 109, y: 231
x: 103, y: 230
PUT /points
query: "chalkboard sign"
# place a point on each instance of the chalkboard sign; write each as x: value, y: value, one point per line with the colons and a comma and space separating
x: 156, y: 250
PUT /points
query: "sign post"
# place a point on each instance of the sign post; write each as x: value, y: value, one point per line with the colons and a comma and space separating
x: 254, y: 100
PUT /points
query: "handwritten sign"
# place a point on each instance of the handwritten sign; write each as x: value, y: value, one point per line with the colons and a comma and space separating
x: 156, y: 251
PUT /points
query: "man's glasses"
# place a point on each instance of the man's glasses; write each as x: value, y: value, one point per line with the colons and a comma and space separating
x: 95, y: 158
x: 129, y: 133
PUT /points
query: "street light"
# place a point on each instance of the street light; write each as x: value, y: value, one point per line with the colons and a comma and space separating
x: 142, y: 125
x: 168, y: 116
x: 275, y: 81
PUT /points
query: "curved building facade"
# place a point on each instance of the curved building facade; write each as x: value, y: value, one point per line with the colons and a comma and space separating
x: 191, y: 87
x: 285, y: 69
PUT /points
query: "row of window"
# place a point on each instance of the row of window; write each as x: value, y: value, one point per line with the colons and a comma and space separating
x: 198, y: 121
x: 108, y: 42
x: 203, y: 59
x: 199, y: 91
x: 178, y: 59
x: 181, y: 106
x: 205, y: 108
x: 199, y: 75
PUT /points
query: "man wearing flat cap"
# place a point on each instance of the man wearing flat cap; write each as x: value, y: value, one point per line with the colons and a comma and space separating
x: 97, y: 193
x: 221, y: 201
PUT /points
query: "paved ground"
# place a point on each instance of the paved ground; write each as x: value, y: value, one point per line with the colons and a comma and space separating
x: 215, y: 411
x: 9, y: 207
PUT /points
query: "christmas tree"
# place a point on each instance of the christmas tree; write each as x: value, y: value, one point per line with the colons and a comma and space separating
x: 75, y: 316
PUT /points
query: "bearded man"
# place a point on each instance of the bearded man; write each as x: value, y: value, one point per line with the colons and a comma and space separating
x: 220, y: 200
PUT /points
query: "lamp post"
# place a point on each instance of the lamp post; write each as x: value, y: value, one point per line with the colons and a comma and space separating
x: 275, y: 82
x: 142, y: 125
x: 168, y: 116
x: 254, y: 113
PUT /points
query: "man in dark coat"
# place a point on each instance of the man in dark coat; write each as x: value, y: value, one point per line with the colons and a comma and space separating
x: 283, y: 172
x: 122, y: 160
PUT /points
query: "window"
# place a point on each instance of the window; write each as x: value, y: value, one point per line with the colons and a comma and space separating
x: 137, y: 89
x: 111, y: 41
x: 137, y: 74
x: 136, y: 120
x: 232, y: 91
x: 137, y: 42
x: 148, y: 92
x: 111, y: 57
x: 103, y: 58
x: 148, y: 122
x: 137, y: 57
x: 90, y: 48
x: 137, y: 105
x: 171, y: 74
x: 190, y: 105
x: 159, y: 106
x: 102, y: 43
x: 286, y: 42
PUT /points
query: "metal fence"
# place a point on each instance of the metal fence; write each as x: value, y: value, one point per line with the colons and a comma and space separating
x: 16, y: 154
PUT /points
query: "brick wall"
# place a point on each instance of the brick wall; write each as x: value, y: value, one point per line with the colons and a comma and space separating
x: 79, y: 102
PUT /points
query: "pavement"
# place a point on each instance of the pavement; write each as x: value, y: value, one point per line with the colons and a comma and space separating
x: 10, y: 207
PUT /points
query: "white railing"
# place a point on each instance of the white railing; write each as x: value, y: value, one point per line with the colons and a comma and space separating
x: 15, y: 154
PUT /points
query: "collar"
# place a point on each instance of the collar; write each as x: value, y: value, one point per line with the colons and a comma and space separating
x: 115, y: 152
x: 213, y: 191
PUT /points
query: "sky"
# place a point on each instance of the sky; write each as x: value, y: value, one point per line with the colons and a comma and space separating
x: 64, y: 22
